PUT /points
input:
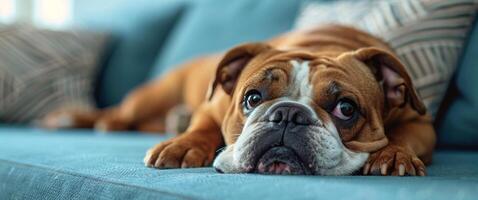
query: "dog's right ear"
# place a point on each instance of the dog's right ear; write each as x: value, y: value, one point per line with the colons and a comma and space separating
x: 232, y: 64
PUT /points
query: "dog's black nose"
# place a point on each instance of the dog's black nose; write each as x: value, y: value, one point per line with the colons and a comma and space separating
x: 290, y: 112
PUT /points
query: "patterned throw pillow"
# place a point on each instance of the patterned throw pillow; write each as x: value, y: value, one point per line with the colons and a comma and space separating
x: 43, y: 70
x: 427, y: 35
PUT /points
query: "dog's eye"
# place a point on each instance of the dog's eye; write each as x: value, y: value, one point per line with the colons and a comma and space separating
x: 345, y: 109
x: 252, y: 99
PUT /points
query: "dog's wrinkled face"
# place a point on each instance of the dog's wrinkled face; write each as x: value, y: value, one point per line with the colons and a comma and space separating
x: 299, y: 113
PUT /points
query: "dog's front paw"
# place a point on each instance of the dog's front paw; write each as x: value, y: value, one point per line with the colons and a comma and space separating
x: 58, y: 120
x: 111, y: 123
x: 394, y: 160
x: 179, y: 152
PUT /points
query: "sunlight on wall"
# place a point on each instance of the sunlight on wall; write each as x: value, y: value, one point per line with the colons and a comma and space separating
x: 52, y: 13
x: 7, y: 11
x: 42, y: 13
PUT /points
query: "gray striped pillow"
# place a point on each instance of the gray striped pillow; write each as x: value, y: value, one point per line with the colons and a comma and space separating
x: 43, y: 70
x: 427, y: 35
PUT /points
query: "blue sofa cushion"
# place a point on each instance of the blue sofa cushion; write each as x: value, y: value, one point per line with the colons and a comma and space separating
x: 461, y: 115
x: 140, y: 28
x: 36, y: 164
x: 217, y: 25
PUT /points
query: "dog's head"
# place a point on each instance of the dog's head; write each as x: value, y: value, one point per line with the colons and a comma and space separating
x: 295, y: 112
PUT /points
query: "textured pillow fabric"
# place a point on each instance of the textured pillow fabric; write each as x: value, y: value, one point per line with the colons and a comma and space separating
x: 139, y: 28
x: 42, y: 70
x: 427, y: 35
x: 217, y: 25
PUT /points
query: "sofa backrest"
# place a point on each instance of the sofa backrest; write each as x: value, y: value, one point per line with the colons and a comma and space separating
x: 216, y: 25
x: 139, y: 29
x: 151, y: 36
x: 458, y: 125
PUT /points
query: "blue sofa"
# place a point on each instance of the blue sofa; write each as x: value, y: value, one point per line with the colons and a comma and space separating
x: 150, y: 36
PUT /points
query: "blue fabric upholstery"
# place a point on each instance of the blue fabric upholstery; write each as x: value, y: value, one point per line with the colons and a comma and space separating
x: 83, y: 164
x: 216, y: 25
x: 140, y: 28
x: 461, y: 116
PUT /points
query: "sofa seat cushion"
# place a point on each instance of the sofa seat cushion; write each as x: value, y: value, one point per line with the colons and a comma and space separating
x: 83, y: 164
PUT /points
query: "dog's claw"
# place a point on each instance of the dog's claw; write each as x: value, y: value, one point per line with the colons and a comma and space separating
x: 366, y: 169
x: 421, y: 173
x: 383, y: 169
x: 401, y: 170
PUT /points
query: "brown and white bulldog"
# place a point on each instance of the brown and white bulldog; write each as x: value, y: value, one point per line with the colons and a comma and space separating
x: 327, y: 101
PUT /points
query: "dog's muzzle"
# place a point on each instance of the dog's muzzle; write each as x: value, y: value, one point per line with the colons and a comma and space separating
x: 281, y: 160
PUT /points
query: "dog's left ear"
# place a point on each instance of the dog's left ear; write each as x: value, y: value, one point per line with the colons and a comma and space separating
x: 397, y: 84
x: 232, y: 64
x: 398, y: 92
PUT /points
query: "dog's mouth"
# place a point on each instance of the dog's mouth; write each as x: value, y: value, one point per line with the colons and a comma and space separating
x: 281, y: 160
